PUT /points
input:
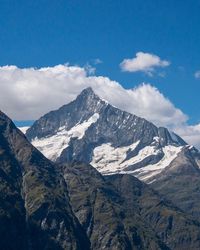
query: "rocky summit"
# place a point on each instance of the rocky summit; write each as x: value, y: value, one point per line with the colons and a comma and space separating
x: 90, y: 130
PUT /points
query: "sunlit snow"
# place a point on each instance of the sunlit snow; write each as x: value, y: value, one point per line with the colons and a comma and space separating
x: 109, y: 160
x: 53, y: 146
x: 170, y: 153
x: 23, y: 129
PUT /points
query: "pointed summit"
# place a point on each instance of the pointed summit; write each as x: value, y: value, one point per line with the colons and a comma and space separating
x: 110, y: 139
x: 3, y: 117
x: 5, y: 122
x: 87, y: 91
x: 87, y: 95
x: 81, y: 109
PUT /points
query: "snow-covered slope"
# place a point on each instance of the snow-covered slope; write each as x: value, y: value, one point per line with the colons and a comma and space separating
x: 113, y: 141
x: 23, y: 129
x: 109, y: 160
x: 52, y: 146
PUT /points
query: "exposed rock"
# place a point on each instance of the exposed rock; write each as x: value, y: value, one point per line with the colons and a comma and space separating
x: 175, y: 228
x: 100, y: 209
x: 90, y: 130
x: 35, y: 212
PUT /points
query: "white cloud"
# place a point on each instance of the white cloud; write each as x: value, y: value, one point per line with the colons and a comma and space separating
x: 144, y: 62
x: 29, y: 93
x: 197, y: 74
x: 89, y: 69
x: 97, y: 61
x: 191, y: 134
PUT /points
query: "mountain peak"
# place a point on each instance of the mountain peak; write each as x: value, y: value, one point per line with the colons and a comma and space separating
x: 87, y: 91
x: 4, y: 121
x: 92, y: 131
x: 3, y: 116
x: 87, y: 96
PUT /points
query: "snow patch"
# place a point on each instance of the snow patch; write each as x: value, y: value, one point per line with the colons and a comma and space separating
x: 23, y: 129
x: 53, y: 146
x: 108, y: 159
x: 170, y: 153
x: 156, y: 139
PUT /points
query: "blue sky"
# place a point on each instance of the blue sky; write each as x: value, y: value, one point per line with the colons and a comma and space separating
x: 47, y: 33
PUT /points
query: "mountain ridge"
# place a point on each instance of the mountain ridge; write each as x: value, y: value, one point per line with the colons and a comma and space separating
x: 35, y: 209
x: 134, y: 142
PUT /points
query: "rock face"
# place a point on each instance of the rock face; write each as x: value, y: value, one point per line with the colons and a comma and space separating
x: 35, y: 212
x: 92, y: 131
x: 120, y: 208
x: 100, y: 210
x: 180, y: 182
x: 176, y: 229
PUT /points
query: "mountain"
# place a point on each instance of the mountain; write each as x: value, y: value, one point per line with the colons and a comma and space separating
x: 100, y: 210
x: 45, y: 205
x: 91, y: 130
x: 176, y: 229
x: 35, y: 211
x: 39, y: 211
x: 180, y: 181
x: 120, y: 208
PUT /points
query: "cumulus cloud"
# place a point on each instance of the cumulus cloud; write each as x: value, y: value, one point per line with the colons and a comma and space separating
x: 197, y: 74
x: 89, y: 69
x: 97, y: 61
x: 191, y: 134
x: 144, y: 62
x: 30, y: 92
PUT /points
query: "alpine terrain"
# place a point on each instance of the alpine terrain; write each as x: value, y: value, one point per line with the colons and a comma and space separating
x: 92, y: 131
x: 113, y: 141
x: 45, y: 205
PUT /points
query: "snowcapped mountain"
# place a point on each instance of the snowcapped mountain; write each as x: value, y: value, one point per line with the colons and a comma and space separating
x: 72, y: 206
x: 91, y: 130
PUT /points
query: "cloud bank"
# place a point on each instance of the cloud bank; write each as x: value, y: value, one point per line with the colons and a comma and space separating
x: 144, y: 62
x: 30, y: 92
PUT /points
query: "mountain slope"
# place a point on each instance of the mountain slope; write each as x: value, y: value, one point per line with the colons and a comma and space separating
x: 49, y: 206
x: 121, y: 208
x: 35, y: 208
x: 92, y: 131
x: 174, y: 227
x: 180, y: 182
x: 35, y: 212
x: 100, y: 210
x: 113, y: 141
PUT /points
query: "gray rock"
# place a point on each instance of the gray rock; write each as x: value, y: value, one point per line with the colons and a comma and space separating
x: 114, y: 127
x: 35, y: 211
